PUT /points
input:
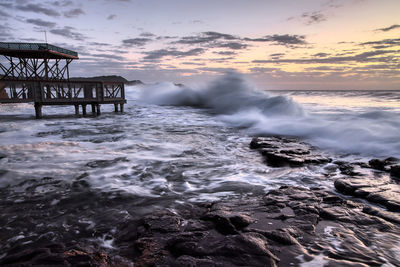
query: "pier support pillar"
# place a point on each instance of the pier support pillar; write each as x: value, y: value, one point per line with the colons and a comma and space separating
x: 38, y: 110
x: 116, y: 107
x: 76, y: 109
x: 93, y: 109
x: 98, y: 110
x: 84, y: 110
x: 121, y: 108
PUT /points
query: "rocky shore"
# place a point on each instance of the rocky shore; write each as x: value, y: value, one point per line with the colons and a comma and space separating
x: 356, y: 225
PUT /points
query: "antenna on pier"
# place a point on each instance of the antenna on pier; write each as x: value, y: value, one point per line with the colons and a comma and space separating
x: 45, y: 35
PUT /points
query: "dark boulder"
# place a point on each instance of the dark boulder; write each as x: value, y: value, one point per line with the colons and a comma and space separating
x: 282, y: 151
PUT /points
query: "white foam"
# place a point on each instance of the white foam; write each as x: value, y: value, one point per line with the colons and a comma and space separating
x: 235, y: 101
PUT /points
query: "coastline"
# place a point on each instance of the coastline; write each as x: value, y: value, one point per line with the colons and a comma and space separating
x: 291, y: 225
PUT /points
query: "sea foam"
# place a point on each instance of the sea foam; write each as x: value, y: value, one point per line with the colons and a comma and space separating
x: 237, y: 102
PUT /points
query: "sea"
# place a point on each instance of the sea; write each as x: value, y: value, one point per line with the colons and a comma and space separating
x: 75, y: 178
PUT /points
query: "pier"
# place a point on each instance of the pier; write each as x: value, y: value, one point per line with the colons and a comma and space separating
x: 39, y: 73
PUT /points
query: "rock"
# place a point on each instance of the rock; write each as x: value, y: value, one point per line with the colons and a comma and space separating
x: 279, y: 151
x: 105, y: 163
x: 59, y: 255
x: 395, y: 171
x: 383, y: 165
x: 377, y: 164
x: 384, y: 193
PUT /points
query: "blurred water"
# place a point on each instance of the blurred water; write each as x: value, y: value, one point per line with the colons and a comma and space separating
x: 69, y: 178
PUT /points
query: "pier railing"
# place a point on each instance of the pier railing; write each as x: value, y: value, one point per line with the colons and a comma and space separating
x: 61, y: 93
x: 36, y: 47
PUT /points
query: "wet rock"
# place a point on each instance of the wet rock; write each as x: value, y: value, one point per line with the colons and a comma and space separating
x: 395, y: 171
x: 59, y: 255
x: 279, y: 151
x: 2, y: 156
x: 386, y: 194
x: 383, y: 165
x: 105, y: 163
x: 287, y: 226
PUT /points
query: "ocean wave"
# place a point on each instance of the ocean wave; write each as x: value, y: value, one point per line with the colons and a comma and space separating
x: 237, y: 102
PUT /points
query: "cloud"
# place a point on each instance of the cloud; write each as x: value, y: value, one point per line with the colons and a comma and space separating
x: 62, y: 3
x: 326, y: 68
x: 111, y: 17
x: 73, y: 13
x: 263, y: 70
x: 193, y: 63
x: 41, y: 23
x: 214, y: 40
x: 38, y: 8
x: 281, y: 39
x: 98, y: 44
x: 320, y: 55
x: 158, y: 54
x: 225, y: 53
x: 4, y: 14
x: 136, y: 41
x: 232, y: 45
x: 221, y: 40
x: 108, y: 56
x: 147, y: 34
x: 363, y: 57
x: 277, y: 55
x: 5, y: 32
x: 385, y: 42
x: 6, y: 5
x: 206, y: 37
x: 219, y: 70
x: 394, y: 26
x: 287, y: 39
x: 314, y: 17
x: 68, y: 32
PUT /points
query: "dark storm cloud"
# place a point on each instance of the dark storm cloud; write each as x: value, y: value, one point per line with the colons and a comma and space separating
x: 363, y: 57
x: 136, y: 41
x: 158, y: 54
x: 394, y: 26
x: 76, y: 12
x: 68, y: 32
x: 38, y: 8
x: 41, y: 23
x: 314, y: 17
x: 112, y: 16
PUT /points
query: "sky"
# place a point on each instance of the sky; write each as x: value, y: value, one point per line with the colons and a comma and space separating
x: 286, y: 44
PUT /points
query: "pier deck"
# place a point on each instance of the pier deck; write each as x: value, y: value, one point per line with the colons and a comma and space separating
x: 39, y: 73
